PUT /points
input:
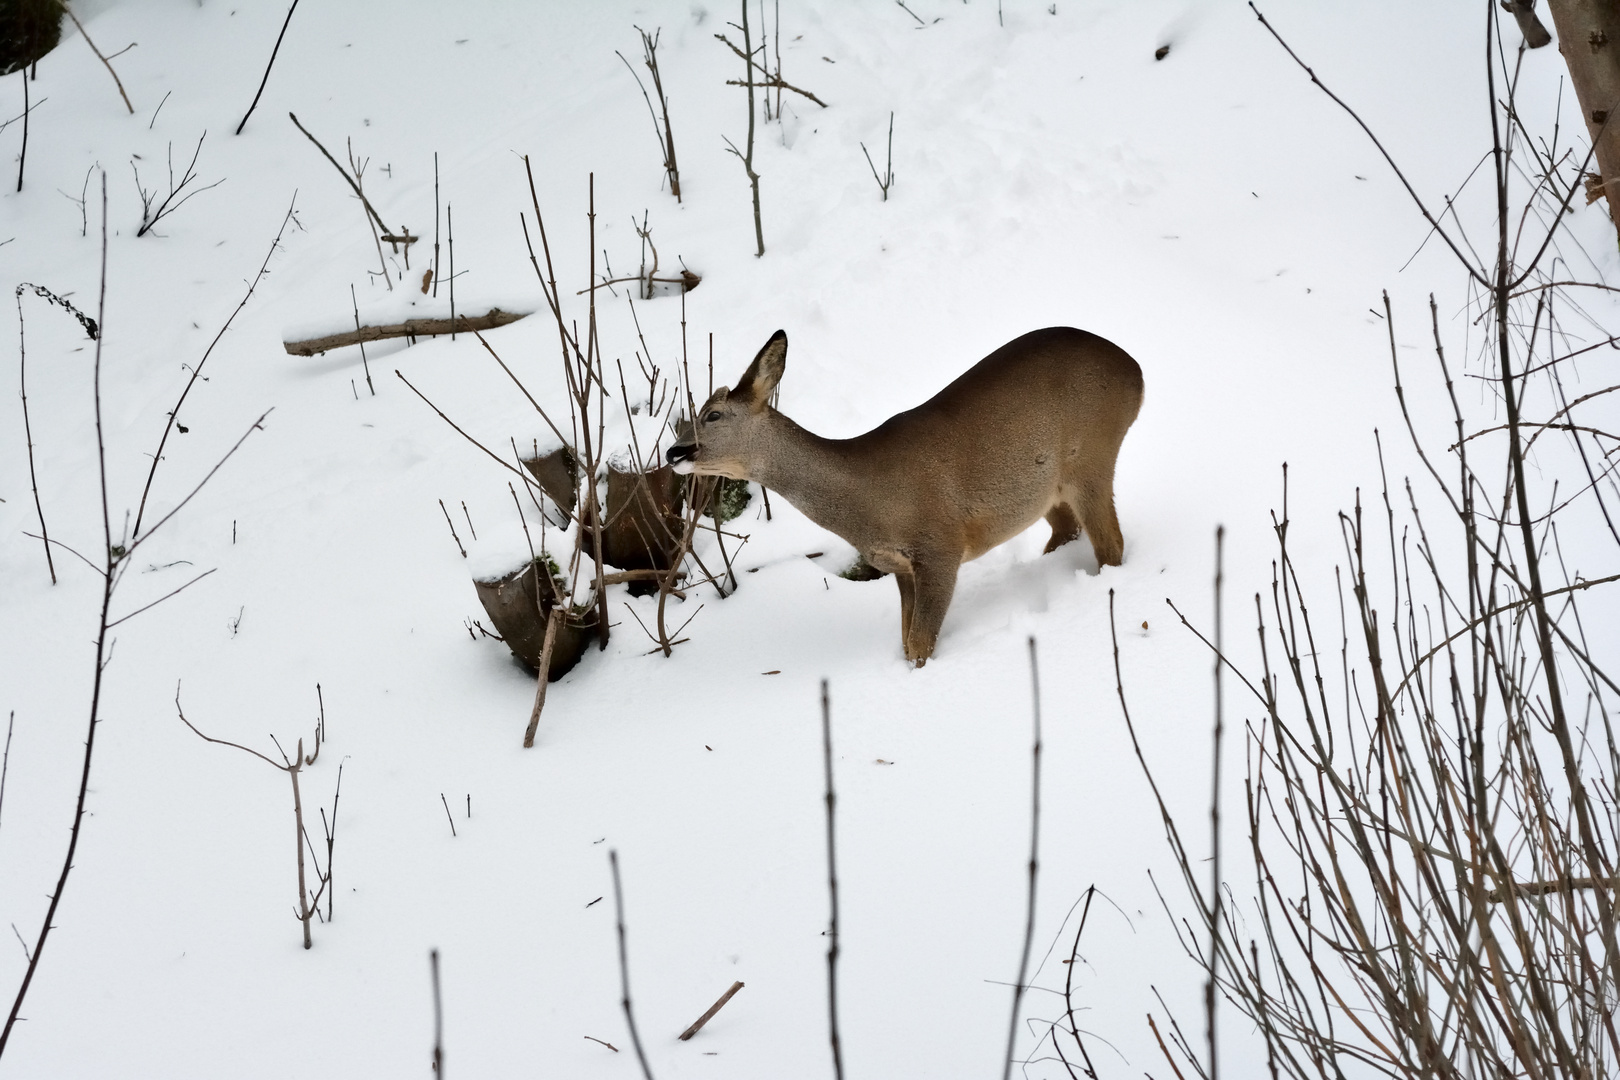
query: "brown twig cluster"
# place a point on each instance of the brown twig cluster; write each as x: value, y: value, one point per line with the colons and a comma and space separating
x: 664, y: 133
x: 1432, y: 774
x: 114, y: 561
x: 354, y: 176
x: 624, y: 509
x: 177, y: 197
x: 309, y: 900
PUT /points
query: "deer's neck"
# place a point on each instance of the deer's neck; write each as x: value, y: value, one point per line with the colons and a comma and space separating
x: 822, y: 477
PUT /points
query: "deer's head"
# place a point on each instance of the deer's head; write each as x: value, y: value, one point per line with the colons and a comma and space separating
x: 722, y: 439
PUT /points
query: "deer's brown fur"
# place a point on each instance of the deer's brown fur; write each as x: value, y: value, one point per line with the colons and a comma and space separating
x: 1030, y: 431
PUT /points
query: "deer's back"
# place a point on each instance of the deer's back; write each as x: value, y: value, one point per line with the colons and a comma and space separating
x: 992, y: 452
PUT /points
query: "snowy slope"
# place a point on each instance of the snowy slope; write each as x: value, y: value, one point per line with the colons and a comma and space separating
x: 1211, y: 213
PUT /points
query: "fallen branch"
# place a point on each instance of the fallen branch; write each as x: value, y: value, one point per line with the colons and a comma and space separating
x: 461, y: 324
x: 706, y: 1017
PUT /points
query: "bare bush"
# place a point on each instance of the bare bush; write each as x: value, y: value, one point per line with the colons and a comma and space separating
x: 1431, y: 798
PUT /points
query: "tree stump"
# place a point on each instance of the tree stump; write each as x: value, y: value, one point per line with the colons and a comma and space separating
x: 519, y: 603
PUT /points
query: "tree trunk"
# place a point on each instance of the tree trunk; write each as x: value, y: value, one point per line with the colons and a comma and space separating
x: 1589, y: 38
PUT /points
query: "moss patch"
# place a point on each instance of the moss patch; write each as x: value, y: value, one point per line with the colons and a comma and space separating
x: 730, y: 499
x: 861, y: 570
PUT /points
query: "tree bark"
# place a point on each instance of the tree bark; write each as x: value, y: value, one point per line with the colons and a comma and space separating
x: 1589, y: 39
x: 460, y: 324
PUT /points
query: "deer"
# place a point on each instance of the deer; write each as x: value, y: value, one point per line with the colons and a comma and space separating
x: 1033, y: 430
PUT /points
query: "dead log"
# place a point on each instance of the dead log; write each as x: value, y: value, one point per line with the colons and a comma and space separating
x: 461, y: 324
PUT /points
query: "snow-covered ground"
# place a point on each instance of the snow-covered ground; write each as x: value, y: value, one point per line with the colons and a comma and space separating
x: 1212, y: 213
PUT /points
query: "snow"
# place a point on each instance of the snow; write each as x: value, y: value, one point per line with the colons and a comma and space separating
x: 1212, y: 213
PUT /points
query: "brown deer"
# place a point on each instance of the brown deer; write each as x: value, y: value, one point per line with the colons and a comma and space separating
x: 1030, y: 431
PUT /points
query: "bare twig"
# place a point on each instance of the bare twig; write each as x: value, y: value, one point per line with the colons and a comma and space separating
x: 292, y: 767
x: 664, y: 134
x: 5, y: 767
x: 747, y: 53
x: 697, y: 1024
x: 159, y: 600
x: 284, y: 24
x: 28, y: 433
x: 150, y: 216
x: 22, y: 158
x: 832, y: 889
x: 103, y: 60
x: 773, y: 81
x: 364, y: 363
x: 885, y: 181
x: 438, y: 1019
x: 1215, y: 889
x: 351, y: 181
x: 624, y: 967
x: 196, y: 371
x: 102, y: 643
x: 553, y: 622
x: 1034, y: 851
x: 452, y: 525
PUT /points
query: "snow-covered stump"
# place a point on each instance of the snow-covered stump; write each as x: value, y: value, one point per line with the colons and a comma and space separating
x: 644, y: 527
x: 519, y: 605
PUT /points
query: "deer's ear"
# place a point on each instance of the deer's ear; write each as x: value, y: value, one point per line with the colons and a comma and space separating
x: 759, y: 381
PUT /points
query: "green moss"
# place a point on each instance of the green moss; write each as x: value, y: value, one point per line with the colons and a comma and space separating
x: 28, y: 30
x: 861, y: 570
x: 730, y: 499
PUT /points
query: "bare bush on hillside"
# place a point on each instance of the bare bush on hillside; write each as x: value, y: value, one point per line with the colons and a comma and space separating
x: 1432, y: 769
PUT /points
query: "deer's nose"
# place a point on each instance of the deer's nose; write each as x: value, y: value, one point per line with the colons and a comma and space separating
x: 681, y: 452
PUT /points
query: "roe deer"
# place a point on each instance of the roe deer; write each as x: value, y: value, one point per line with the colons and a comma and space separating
x: 1030, y: 431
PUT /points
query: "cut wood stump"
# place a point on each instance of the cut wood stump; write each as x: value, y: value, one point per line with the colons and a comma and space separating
x: 461, y: 324
x: 644, y: 523
x: 519, y: 604
x: 557, y: 473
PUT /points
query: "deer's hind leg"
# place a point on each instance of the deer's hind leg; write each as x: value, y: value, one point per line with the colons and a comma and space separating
x: 933, y: 584
x: 1099, y: 520
x: 1065, y: 526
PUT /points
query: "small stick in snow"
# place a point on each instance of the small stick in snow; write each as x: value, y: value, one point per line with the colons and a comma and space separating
x: 438, y: 1019
x: 22, y: 159
x: 832, y: 889
x: 452, y: 525
x: 5, y: 765
x: 706, y: 1017
x: 364, y: 364
x: 553, y: 621
x: 593, y: 1038
x: 435, y: 224
x: 267, y: 68
x: 1034, y: 849
x: 624, y: 966
x: 447, y: 814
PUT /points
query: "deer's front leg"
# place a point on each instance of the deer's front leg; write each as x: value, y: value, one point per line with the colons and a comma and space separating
x: 933, y: 583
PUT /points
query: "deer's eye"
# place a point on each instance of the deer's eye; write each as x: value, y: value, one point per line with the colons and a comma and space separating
x: 711, y: 416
